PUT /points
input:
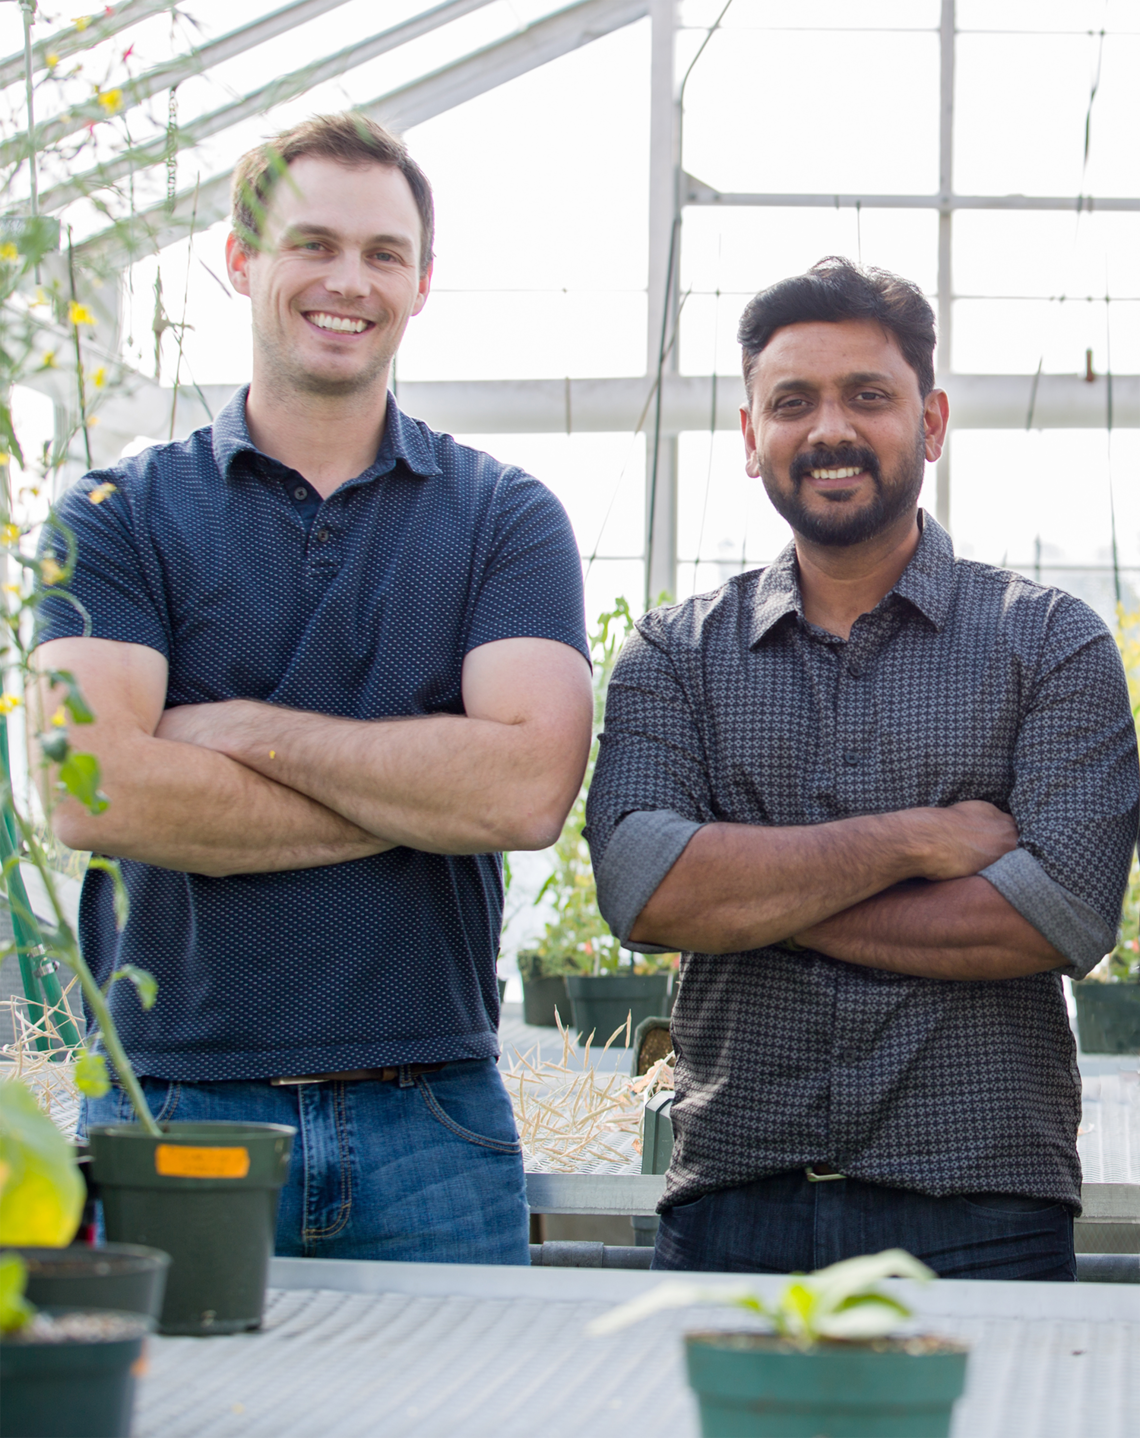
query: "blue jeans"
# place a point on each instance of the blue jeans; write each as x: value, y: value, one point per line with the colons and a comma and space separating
x: 424, y: 1169
x: 787, y: 1224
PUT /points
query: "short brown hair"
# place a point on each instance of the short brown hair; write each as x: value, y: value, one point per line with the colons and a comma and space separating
x: 833, y: 290
x: 349, y: 138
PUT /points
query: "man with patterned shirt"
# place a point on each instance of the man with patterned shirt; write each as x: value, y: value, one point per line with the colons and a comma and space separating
x: 883, y: 799
x: 338, y: 662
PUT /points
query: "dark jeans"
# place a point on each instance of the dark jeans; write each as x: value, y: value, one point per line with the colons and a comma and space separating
x: 424, y: 1169
x: 786, y: 1224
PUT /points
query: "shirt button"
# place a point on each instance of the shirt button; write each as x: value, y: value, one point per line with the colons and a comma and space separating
x: 300, y: 492
x: 854, y: 671
x: 851, y: 757
x: 323, y: 536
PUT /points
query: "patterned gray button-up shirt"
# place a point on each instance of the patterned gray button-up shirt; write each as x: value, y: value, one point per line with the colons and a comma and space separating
x: 965, y: 682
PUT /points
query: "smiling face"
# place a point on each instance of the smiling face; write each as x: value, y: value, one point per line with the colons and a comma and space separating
x: 336, y: 280
x: 838, y: 431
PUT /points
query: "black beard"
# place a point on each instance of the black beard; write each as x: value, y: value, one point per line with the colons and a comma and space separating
x: 841, y: 527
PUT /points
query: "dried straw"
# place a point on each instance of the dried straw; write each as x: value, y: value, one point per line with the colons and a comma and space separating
x: 49, y: 1075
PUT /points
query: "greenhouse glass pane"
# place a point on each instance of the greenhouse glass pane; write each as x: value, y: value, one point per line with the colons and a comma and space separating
x: 813, y: 14
x: 874, y: 129
x: 1015, y: 336
x: 1042, y: 15
x: 1020, y: 108
x: 1023, y: 253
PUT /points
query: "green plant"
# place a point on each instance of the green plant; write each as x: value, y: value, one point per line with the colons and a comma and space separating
x: 15, y: 1310
x: 839, y: 1303
x: 41, y: 1190
x: 578, y: 940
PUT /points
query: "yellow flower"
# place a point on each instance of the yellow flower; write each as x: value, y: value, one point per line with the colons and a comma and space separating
x: 101, y: 491
x: 8, y: 702
x: 111, y: 101
x: 49, y: 359
x: 51, y: 61
x: 99, y: 378
x: 9, y: 252
x: 50, y: 572
x: 12, y: 588
x: 9, y: 534
x: 81, y: 22
x: 59, y: 718
x: 78, y: 314
x: 40, y: 299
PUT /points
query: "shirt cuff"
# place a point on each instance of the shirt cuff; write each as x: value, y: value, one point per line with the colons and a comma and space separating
x: 641, y: 851
x: 1073, y: 927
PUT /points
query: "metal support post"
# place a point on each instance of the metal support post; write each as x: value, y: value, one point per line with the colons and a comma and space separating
x: 945, y: 237
x: 664, y: 267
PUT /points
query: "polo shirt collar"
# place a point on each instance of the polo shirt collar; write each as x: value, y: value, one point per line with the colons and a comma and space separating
x: 927, y: 582
x: 405, y: 441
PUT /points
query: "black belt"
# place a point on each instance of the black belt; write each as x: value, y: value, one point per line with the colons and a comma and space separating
x: 385, y: 1075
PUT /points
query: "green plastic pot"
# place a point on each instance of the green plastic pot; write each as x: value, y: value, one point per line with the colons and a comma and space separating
x: 122, y: 1276
x: 541, y: 997
x: 1108, y: 1017
x: 73, y: 1389
x: 207, y: 1194
x: 751, y: 1385
x: 603, y: 1002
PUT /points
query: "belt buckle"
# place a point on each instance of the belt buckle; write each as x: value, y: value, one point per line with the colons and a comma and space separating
x: 291, y: 1082
x: 820, y: 1177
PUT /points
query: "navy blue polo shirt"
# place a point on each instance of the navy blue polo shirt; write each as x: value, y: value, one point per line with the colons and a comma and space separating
x: 363, y: 605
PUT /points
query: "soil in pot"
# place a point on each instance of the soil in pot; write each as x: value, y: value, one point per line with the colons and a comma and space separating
x: 541, y: 997
x: 753, y: 1385
x: 116, y: 1275
x: 1108, y: 1017
x: 70, y: 1373
x: 602, y: 1003
x: 207, y: 1194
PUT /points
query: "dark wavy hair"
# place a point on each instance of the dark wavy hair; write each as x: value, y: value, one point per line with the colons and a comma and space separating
x: 832, y: 290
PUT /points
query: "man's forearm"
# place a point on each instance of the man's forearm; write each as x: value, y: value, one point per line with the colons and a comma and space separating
x: 183, y: 807
x: 442, y: 783
x: 955, y: 929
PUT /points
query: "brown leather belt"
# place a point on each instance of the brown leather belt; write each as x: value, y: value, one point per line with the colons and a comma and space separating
x: 385, y: 1075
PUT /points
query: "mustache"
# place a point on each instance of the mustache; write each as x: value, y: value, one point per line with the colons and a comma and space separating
x: 854, y: 458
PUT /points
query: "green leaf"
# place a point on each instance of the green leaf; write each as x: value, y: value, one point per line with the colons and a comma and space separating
x: 146, y: 985
x: 91, y: 1075
x: 54, y: 746
x: 122, y: 898
x: 73, y: 701
x: 79, y: 775
x: 41, y: 1191
x: 15, y: 1310
x: 8, y: 434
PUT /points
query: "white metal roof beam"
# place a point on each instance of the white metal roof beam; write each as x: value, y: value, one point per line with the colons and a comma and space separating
x: 545, y: 40
x: 65, y: 43
x: 695, y: 192
x: 286, y: 87
x: 165, y: 77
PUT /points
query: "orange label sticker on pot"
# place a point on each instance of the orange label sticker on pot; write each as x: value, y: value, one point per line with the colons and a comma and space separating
x: 175, y: 1160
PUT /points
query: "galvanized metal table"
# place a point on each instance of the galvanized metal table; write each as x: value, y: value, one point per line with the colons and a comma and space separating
x: 393, y: 1350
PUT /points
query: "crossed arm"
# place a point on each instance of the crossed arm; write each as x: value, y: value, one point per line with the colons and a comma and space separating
x: 842, y: 889
x: 244, y: 787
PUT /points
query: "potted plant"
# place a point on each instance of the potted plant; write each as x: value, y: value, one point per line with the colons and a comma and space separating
x: 607, y: 989
x: 825, y: 1363
x: 67, y: 1372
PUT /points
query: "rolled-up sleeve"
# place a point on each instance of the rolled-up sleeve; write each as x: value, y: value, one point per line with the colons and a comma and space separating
x: 650, y: 792
x: 1075, y: 794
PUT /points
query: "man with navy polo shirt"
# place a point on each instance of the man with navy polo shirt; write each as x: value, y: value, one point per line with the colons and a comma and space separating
x: 338, y: 664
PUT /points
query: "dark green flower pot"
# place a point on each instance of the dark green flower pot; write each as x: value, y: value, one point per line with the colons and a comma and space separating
x: 603, y: 1002
x: 541, y: 997
x: 752, y: 1385
x: 118, y: 1275
x: 75, y: 1389
x: 1108, y: 1017
x: 207, y: 1194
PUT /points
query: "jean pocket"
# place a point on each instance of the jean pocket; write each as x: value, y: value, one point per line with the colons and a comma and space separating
x: 162, y: 1095
x: 497, y: 1145
x: 1007, y: 1205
